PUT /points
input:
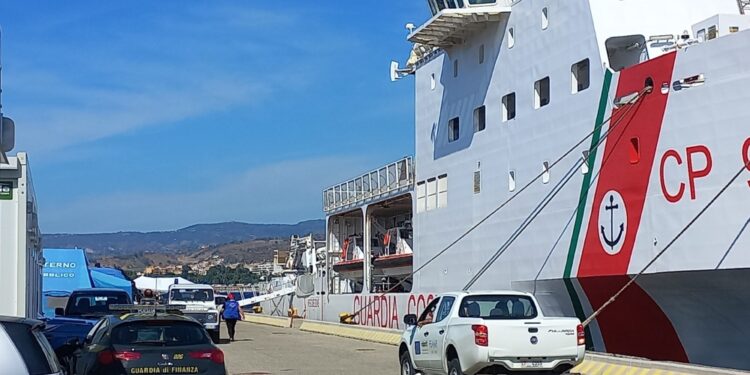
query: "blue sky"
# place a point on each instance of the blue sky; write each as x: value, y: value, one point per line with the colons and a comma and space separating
x: 144, y: 115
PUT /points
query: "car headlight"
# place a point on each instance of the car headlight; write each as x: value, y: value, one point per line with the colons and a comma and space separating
x: 210, y: 317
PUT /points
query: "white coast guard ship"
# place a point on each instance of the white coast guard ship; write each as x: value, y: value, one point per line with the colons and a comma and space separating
x: 651, y: 96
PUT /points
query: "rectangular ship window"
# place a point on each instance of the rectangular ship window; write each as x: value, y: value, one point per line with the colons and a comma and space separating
x: 509, y: 107
x: 454, y: 130
x: 580, y: 73
x: 477, y: 182
x: 421, y: 197
x: 480, y: 119
x: 541, y: 92
x: 431, y: 194
x: 442, y: 188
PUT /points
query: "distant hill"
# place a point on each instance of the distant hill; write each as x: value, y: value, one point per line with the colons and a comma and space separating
x: 186, y: 239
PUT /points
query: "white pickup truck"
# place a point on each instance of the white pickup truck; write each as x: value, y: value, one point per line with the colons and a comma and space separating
x: 489, y: 332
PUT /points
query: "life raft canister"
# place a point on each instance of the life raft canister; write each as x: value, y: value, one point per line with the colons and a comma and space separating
x: 386, y: 238
x: 345, y: 249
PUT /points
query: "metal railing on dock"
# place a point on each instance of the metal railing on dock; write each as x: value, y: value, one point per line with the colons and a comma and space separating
x: 390, y: 180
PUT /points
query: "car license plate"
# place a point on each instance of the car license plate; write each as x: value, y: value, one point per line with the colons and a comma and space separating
x: 531, y: 364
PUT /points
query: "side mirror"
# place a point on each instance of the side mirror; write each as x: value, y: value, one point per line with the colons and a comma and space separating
x: 410, y: 319
x: 59, y: 311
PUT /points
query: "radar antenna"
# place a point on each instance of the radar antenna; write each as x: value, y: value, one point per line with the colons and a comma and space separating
x: 398, y: 73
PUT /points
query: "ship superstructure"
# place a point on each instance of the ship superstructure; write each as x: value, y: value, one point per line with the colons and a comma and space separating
x: 583, y: 136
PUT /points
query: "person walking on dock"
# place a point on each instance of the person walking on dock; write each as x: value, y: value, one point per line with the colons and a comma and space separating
x: 232, y: 313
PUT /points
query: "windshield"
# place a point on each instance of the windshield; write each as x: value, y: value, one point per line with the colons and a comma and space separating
x: 95, y: 303
x: 498, y: 307
x: 189, y: 294
x: 159, y: 333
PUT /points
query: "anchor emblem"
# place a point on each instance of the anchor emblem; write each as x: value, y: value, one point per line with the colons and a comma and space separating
x: 611, y: 208
x: 612, y: 211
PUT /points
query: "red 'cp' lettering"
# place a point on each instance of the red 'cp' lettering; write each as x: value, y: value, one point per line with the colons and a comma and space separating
x: 746, y: 156
x: 673, y: 198
x: 694, y: 174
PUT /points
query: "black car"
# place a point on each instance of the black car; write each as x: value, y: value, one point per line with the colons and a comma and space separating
x: 24, y: 350
x: 148, y: 343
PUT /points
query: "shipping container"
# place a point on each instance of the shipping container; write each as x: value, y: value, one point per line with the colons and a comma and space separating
x: 21, y: 258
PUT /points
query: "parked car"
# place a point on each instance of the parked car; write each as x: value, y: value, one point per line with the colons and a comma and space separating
x: 24, y: 350
x: 495, y: 332
x: 82, y: 311
x: 148, y: 343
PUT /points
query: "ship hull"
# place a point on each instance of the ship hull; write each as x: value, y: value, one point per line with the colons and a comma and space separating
x: 654, y: 162
x: 694, y: 316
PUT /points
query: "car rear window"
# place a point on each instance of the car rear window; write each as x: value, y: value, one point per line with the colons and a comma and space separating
x: 498, y: 307
x: 95, y: 303
x: 32, y: 351
x: 191, y: 294
x: 159, y: 333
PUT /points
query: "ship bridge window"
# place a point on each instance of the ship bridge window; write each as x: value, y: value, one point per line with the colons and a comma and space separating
x: 509, y: 107
x: 713, y: 33
x: 701, y: 36
x: 480, y: 2
x: 454, y: 130
x: 480, y: 119
x: 541, y: 92
x: 438, y: 5
x: 580, y: 72
x: 625, y: 51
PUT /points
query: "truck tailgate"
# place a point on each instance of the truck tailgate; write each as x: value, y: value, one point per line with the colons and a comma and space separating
x: 533, y: 339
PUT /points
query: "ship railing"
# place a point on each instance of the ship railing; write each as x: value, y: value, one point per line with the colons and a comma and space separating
x: 384, y: 182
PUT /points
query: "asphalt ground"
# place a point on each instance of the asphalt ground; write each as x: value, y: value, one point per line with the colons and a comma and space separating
x: 261, y: 350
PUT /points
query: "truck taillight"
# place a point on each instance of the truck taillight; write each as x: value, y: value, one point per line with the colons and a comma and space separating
x: 581, y: 335
x: 480, y: 334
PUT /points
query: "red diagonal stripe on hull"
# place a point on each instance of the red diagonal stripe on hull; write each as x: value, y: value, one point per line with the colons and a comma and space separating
x: 634, y: 324
x: 642, y: 123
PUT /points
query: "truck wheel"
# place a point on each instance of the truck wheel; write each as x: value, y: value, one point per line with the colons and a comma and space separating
x: 454, y: 367
x: 215, y: 335
x: 406, y: 367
